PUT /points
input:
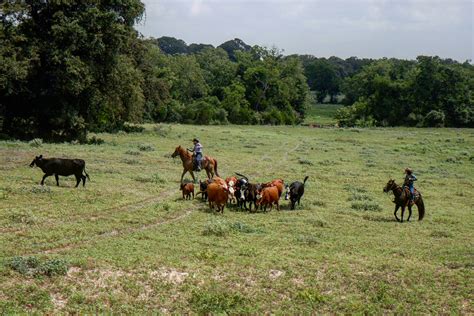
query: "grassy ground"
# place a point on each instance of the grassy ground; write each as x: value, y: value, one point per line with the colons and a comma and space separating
x: 127, y: 243
x: 322, y: 114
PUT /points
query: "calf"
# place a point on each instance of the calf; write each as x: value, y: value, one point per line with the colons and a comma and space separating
x: 217, y: 196
x: 250, y: 195
x: 203, y: 188
x: 294, y: 192
x: 231, y: 181
x: 61, y: 167
x: 188, y: 189
x: 240, y: 188
x: 268, y: 196
x: 279, y: 183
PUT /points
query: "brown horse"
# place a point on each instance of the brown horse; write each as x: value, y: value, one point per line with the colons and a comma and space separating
x: 209, y: 164
x: 402, y: 199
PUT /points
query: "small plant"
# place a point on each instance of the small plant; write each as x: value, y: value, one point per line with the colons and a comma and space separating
x: 206, y: 254
x: 218, y: 301
x: 23, y: 217
x: 311, y: 296
x: 244, y: 228
x: 31, y: 266
x: 127, y: 128
x: 133, y: 153
x: 40, y: 189
x: 441, y: 234
x: 216, y: 228
x: 162, y: 130
x: 37, y: 142
x: 95, y: 141
x: 308, y: 239
x: 130, y: 161
x: 366, y: 206
x: 146, y: 147
x: 305, y: 162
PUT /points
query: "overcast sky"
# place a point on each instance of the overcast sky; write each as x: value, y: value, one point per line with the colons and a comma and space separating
x: 344, y: 28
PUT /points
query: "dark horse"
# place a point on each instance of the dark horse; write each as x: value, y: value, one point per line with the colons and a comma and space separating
x: 402, y: 199
x: 209, y: 164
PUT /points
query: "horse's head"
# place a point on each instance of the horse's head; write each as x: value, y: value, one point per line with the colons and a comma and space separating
x: 176, y: 151
x: 389, y: 186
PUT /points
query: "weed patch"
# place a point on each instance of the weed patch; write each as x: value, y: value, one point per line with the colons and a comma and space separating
x: 303, y: 161
x: 130, y: 161
x: 146, y: 147
x: 133, y: 153
x: 31, y: 266
x: 366, y: 206
x: 22, y: 217
x: 37, y: 142
x: 218, y: 301
x: 308, y: 239
x: 154, y: 178
x: 441, y: 234
x: 311, y: 297
x: 218, y: 228
x: 244, y: 228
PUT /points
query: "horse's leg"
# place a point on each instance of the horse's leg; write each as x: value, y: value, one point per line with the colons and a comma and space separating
x: 395, y: 213
x: 403, y: 211
x: 182, y: 176
x: 192, y: 175
x: 409, y: 212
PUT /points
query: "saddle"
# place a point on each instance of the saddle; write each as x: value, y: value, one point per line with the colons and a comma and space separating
x: 407, y: 193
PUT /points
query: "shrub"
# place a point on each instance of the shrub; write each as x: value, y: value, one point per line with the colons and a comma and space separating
x: 216, y: 228
x: 146, y: 147
x: 366, y: 206
x: 31, y: 266
x: 133, y: 153
x: 128, y: 128
x: 95, y: 141
x: 37, y: 142
x: 434, y: 119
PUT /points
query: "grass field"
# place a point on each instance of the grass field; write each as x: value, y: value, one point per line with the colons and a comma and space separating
x: 322, y: 114
x: 128, y: 243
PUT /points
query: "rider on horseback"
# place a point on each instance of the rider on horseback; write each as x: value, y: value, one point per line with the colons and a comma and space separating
x: 197, y: 153
x: 409, y: 179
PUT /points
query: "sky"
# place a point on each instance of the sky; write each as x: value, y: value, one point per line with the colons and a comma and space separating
x: 323, y: 28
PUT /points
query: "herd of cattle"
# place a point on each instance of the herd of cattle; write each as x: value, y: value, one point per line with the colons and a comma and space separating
x: 241, y: 192
x: 217, y: 191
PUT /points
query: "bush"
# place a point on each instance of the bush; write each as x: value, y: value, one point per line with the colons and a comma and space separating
x: 95, y: 141
x: 434, y: 119
x: 146, y: 147
x: 216, y: 228
x: 366, y: 206
x: 31, y: 266
x: 37, y: 142
x: 127, y: 128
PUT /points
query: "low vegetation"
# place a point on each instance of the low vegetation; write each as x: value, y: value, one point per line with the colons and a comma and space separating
x: 128, y: 243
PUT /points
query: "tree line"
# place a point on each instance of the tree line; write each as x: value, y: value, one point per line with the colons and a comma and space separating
x: 68, y: 67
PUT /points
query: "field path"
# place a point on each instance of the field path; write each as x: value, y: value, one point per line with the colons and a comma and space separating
x: 130, y: 207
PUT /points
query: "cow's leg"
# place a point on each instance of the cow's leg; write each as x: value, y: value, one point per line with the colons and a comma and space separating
x: 44, y: 177
x: 83, y: 180
x: 78, y: 180
x: 193, y: 194
x: 278, y: 206
x: 57, y: 179
x: 395, y: 213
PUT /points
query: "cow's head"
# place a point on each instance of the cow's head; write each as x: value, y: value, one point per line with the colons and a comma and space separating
x: 288, y: 192
x: 36, y: 161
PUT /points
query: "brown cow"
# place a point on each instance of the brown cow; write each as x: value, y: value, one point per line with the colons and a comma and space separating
x: 279, y: 183
x: 231, y: 183
x: 188, y: 189
x: 268, y: 196
x: 217, y: 195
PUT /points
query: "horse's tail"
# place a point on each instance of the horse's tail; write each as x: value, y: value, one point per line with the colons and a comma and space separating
x: 421, y: 208
x: 215, y: 168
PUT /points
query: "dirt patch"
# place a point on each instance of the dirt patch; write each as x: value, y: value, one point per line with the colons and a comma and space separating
x: 170, y: 275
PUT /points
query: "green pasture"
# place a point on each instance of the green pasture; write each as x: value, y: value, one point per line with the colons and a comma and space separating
x: 128, y: 243
x: 322, y: 114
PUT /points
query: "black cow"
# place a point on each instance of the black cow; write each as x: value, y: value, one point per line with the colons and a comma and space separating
x: 294, y: 192
x: 240, y: 188
x: 250, y: 195
x: 61, y: 167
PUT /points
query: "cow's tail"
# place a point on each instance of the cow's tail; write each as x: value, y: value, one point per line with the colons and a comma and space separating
x: 87, y: 175
x: 305, y: 178
x: 215, y: 168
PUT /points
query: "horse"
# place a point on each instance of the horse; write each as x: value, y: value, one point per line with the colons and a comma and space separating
x: 208, y: 163
x: 402, y: 199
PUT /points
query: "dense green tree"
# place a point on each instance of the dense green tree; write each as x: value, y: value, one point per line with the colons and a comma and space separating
x: 67, y: 54
x: 323, y: 79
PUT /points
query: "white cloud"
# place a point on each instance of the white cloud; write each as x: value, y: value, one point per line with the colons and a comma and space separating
x: 198, y: 7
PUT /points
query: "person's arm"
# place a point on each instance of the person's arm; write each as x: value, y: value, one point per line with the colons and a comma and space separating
x: 413, y: 178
